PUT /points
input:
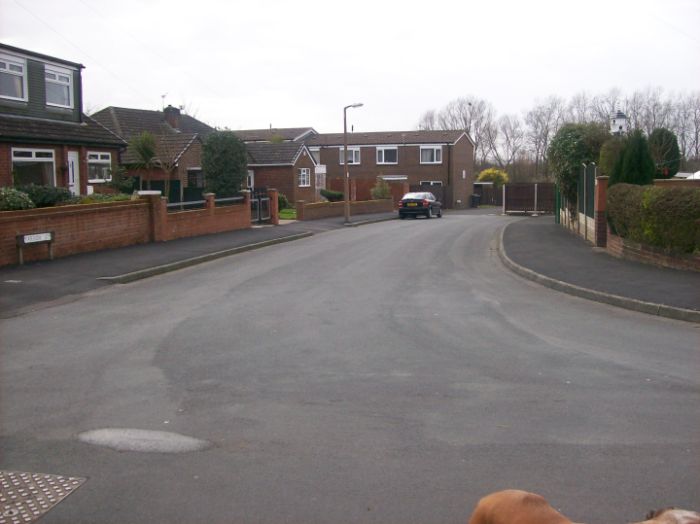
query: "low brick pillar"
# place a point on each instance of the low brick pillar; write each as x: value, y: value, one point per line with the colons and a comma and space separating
x: 299, y: 204
x: 600, y: 213
x: 210, y: 202
x: 274, y: 207
x: 158, y: 206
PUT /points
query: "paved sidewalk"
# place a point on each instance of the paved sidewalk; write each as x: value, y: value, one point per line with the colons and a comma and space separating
x: 23, y: 288
x: 557, y: 258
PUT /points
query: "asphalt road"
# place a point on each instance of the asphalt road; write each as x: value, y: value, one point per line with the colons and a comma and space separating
x: 391, y: 373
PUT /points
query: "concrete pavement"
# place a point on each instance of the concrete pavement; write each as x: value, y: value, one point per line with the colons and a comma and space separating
x: 538, y: 249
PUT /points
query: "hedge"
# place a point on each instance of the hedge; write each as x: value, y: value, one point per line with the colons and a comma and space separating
x: 332, y: 196
x: 665, y: 217
x: 46, y: 196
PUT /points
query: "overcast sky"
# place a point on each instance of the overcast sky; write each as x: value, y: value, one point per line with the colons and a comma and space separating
x: 250, y: 64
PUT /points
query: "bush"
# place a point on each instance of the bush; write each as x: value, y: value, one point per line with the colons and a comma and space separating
x: 46, y: 196
x: 665, y: 217
x: 380, y: 190
x: 282, y: 201
x: 12, y: 199
x: 492, y: 174
x: 332, y: 196
x: 98, y: 198
x: 634, y: 165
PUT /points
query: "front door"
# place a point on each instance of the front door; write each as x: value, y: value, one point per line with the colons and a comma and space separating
x: 74, y: 172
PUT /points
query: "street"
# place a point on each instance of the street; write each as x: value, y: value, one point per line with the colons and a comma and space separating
x: 389, y: 373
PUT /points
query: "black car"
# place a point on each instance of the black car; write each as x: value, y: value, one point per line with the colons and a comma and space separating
x: 414, y: 204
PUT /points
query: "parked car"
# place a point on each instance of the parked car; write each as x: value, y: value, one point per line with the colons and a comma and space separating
x: 414, y: 204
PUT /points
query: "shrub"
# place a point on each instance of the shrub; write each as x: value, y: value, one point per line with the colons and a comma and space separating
x: 332, y: 196
x: 121, y: 181
x: 492, y: 174
x: 12, y: 199
x: 380, y: 190
x: 98, y: 198
x: 665, y: 217
x: 634, y: 165
x: 46, y: 196
x: 282, y: 201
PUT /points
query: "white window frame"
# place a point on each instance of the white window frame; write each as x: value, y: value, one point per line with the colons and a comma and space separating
x: 382, y: 149
x: 437, y: 152
x: 59, y: 71
x: 100, y: 158
x: 304, y: 177
x: 354, y: 157
x: 34, y: 158
x: 431, y: 182
x: 250, y: 179
x: 315, y: 154
x: 18, y: 62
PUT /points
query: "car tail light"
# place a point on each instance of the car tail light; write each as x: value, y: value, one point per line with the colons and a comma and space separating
x: 426, y: 203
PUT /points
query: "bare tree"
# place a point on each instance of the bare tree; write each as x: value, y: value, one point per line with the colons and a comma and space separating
x: 505, y: 140
x: 581, y: 109
x: 428, y: 121
x: 543, y: 121
x: 606, y: 105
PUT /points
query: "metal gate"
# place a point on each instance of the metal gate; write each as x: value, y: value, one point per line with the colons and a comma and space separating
x: 259, y: 205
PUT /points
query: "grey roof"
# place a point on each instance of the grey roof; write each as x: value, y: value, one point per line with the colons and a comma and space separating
x: 386, y: 138
x: 127, y: 122
x: 40, y: 56
x: 169, y: 148
x: 44, y: 131
x: 266, y: 135
x: 270, y: 154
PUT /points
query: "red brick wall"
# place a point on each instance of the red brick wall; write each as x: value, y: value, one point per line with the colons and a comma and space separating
x: 83, y: 228
x: 77, y: 229
x: 461, y: 163
x: 621, y: 248
x: 281, y: 178
x: 337, y: 209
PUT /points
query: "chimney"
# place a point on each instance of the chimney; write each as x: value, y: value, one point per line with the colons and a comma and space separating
x: 172, y: 116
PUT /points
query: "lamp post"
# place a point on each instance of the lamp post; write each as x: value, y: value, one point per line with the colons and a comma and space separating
x: 346, y: 183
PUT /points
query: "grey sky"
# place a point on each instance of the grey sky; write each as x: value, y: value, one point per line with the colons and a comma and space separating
x: 252, y: 64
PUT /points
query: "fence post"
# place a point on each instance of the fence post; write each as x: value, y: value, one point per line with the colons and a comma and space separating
x: 274, y: 207
x: 535, y: 198
x: 300, y: 209
x: 504, y: 199
x: 601, y: 221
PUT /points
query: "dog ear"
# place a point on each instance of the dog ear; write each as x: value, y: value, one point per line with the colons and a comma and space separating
x: 655, y: 513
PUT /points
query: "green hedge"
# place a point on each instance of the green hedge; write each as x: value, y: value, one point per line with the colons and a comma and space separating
x: 332, y: 196
x: 665, y: 217
x: 46, y: 196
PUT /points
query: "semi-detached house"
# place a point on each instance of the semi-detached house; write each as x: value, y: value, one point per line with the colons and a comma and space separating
x: 441, y: 162
x: 45, y: 138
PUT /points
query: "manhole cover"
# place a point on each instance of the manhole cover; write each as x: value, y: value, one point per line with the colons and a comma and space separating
x: 25, y: 497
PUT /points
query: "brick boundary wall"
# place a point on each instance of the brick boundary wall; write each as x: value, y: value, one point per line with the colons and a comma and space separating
x: 337, y: 209
x: 622, y: 248
x: 92, y: 227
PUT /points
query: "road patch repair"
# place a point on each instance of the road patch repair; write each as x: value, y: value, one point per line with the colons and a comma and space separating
x: 26, y: 497
x: 143, y: 440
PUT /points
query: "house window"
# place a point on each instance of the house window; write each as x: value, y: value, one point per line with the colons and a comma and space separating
x: 250, y: 179
x: 59, y: 90
x: 304, y: 177
x: 316, y: 154
x: 387, y: 155
x: 99, y: 167
x: 195, y: 178
x: 33, y: 166
x: 431, y: 183
x: 13, y: 78
x: 431, y: 154
x: 353, y: 155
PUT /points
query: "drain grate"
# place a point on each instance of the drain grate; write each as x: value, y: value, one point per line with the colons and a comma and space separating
x: 25, y: 497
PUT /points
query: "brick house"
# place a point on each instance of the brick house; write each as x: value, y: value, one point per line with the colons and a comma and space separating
x: 45, y: 138
x: 179, y: 140
x: 438, y: 161
x: 287, y: 167
x: 282, y: 134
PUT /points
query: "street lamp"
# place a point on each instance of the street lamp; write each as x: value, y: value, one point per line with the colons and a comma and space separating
x: 346, y: 183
